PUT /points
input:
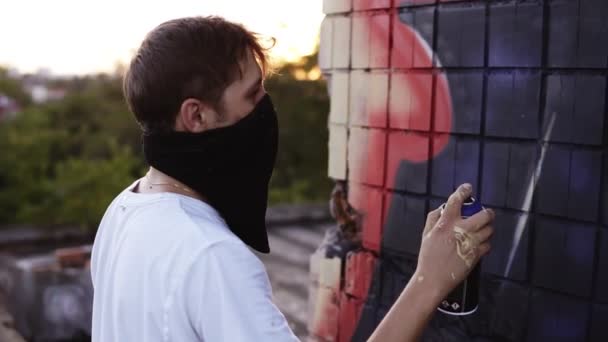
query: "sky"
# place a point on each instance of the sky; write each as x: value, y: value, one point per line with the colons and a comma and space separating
x: 75, y: 37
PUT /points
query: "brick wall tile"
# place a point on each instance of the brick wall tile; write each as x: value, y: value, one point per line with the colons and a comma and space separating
x: 369, y: 203
x: 367, y: 323
x: 599, y: 322
x: 359, y: 97
x: 410, y: 101
x: 510, y: 307
x: 526, y: 101
x: 350, y: 310
x: 404, y: 224
x: 584, y: 189
x: 377, y: 102
x: 563, y: 22
x: 466, y: 102
x: 366, y: 147
x: 515, y: 35
x: 325, y: 314
x: 339, y: 103
x: 461, y: 35
x: 360, y: 41
x: 559, y: 103
x: 380, y: 41
x: 499, y: 113
x: 329, y: 273
x: 557, y: 318
x: 472, y: 36
x: 404, y: 3
x: 337, y: 152
x: 403, y: 174
x: 512, y: 105
x: 552, y: 188
x: 442, y: 182
x: 403, y: 40
x: 359, y: 5
x: 564, y: 254
x: 577, y: 102
x: 369, y: 98
x: 495, y: 174
x: 326, y: 43
x: 422, y: 20
x: 522, y: 166
x: 592, y: 29
x: 589, y: 113
x: 336, y: 6
x: 358, y: 273
x: 466, y: 163
x: 341, y: 42
x: 601, y: 280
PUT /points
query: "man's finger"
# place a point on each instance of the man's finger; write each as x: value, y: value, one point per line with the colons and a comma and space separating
x: 484, y: 234
x: 479, y: 220
x: 431, y: 220
x: 457, y: 198
x: 484, y: 249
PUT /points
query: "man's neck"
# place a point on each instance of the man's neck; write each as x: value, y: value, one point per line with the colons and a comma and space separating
x: 156, y: 181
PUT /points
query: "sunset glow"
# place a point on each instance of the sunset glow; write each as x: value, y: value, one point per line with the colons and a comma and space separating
x: 79, y: 37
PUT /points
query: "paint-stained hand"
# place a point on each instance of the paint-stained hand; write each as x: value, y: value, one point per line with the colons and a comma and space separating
x: 452, y: 246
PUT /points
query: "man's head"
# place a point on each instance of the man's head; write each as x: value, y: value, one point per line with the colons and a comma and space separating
x: 195, y: 74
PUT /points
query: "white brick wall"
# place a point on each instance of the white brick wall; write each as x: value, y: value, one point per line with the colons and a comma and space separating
x: 360, y: 41
x: 339, y: 93
x: 326, y: 43
x: 336, y: 6
x: 337, y: 152
x: 341, y: 42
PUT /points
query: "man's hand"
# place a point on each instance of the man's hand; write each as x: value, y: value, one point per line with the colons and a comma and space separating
x: 452, y: 246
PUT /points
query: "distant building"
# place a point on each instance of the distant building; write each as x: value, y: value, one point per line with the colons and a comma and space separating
x: 41, y: 93
x: 8, y: 107
x: 39, y: 88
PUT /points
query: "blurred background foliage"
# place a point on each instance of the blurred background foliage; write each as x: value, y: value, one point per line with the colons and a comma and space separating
x: 62, y: 162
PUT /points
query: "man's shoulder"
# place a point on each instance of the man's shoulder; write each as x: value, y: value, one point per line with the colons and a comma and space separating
x: 180, y: 217
x: 204, y: 221
x: 228, y: 260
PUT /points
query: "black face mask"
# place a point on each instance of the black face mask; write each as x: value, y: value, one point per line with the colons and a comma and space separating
x: 230, y: 166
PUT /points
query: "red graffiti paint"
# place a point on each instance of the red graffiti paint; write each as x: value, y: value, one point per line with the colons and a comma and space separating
x: 410, y: 50
x: 419, y: 104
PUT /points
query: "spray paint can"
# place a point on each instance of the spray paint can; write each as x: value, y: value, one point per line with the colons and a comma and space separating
x: 464, y: 299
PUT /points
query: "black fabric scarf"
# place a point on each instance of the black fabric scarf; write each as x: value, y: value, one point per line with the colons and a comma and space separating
x: 230, y: 166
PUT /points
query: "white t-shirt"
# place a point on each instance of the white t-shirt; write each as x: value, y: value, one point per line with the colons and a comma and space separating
x: 165, y: 267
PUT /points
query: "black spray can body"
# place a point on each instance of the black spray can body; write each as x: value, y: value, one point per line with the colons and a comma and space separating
x: 464, y: 299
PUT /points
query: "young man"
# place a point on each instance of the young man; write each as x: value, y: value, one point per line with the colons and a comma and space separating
x: 171, y: 260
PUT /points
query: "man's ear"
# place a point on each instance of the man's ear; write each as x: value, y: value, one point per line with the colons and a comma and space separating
x: 194, y: 116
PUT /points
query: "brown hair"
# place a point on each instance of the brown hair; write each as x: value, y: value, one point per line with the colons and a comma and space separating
x: 196, y: 57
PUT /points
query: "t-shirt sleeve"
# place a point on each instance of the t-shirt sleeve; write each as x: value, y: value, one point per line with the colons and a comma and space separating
x: 229, y: 297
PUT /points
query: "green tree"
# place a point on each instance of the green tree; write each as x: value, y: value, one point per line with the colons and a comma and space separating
x: 13, y: 88
x: 63, y: 162
x: 302, y: 105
